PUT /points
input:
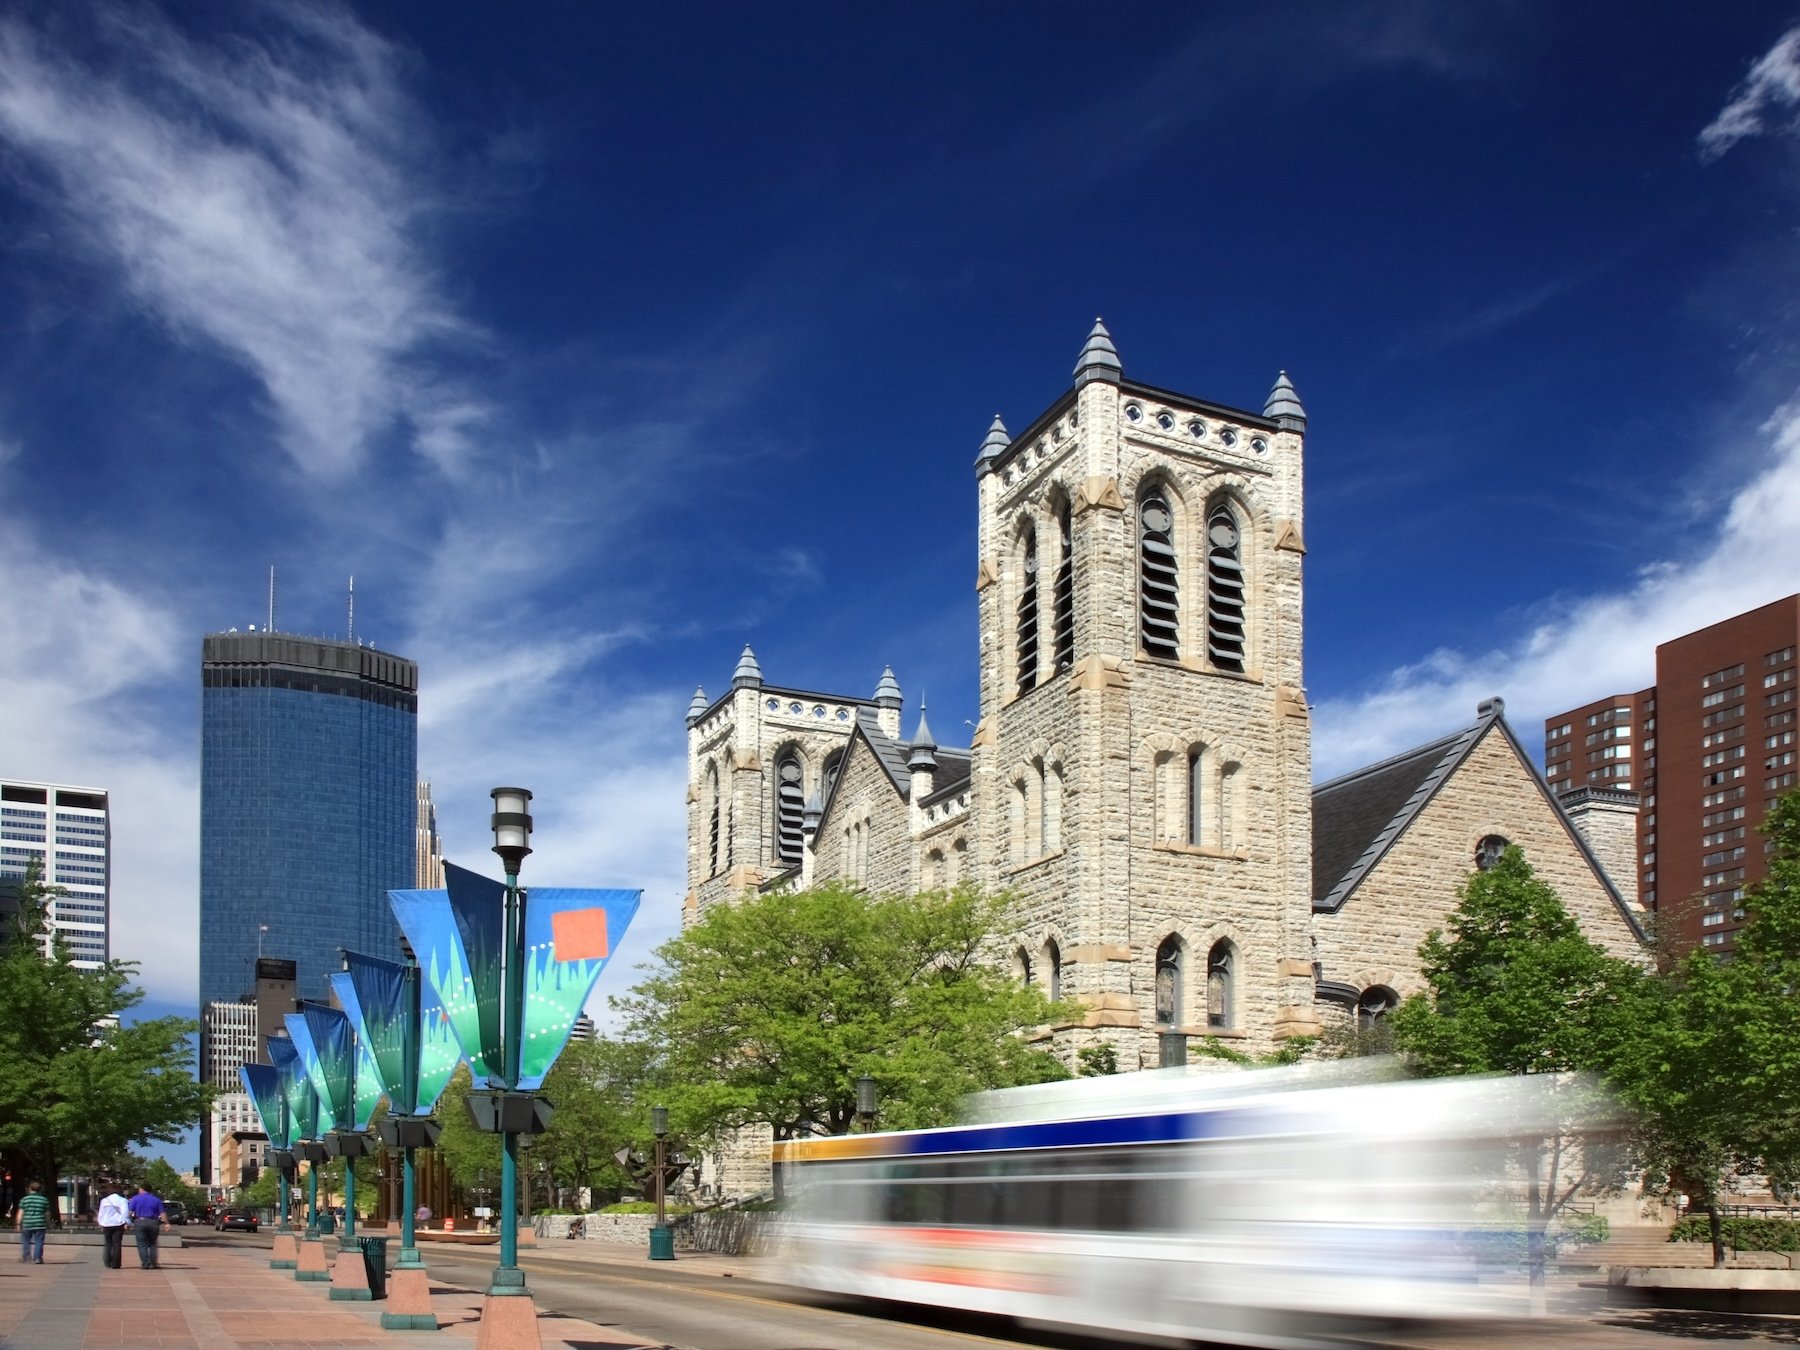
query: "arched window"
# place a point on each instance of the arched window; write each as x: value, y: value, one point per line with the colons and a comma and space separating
x: 1018, y: 817
x: 1221, y: 987
x: 1053, y: 807
x: 790, y: 807
x: 1053, y: 968
x: 1196, y: 796
x: 1231, y: 787
x: 1065, y: 589
x: 934, y: 870
x: 1224, y: 590
x: 1375, y: 1003
x: 1159, y: 615
x: 1489, y: 851
x: 1028, y: 614
x: 833, y: 762
x: 1168, y: 982
x: 959, y: 850
x: 1022, y: 966
x: 713, y: 826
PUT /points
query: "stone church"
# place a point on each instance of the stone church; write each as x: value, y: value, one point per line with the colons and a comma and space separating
x: 1141, y: 774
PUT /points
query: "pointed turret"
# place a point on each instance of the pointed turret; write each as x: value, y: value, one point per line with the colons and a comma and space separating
x: 923, y: 754
x: 811, y: 814
x: 748, y: 674
x: 1099, y: 358
x: 992, y: 448
x: 697, y: 706
x: 1284, y: 406
x: 887, y: 692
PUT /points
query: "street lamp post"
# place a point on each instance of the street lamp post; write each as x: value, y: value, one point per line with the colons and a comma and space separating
x: 866, y: 1102
x: 511, y: 824
x: 662, y: 1241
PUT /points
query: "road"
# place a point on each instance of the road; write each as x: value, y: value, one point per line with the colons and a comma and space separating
x: 667, y: 1306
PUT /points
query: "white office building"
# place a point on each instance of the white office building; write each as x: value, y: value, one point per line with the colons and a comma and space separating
x: 67, y: 830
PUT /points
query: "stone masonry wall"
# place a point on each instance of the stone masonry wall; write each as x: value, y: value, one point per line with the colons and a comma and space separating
x: 1374, y: 939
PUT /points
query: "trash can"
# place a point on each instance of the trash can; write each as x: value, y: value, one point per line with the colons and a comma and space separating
x: 374, y: 1252
x: 327, y: 1223
x: 662, y: 1244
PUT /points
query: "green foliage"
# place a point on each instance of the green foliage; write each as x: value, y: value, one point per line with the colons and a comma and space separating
x: 1290, y: 1051
x: 1741, y: 1234
x: 643, y: 1207
x: 263, y: 1193
x: 1585, y: 1229
x: 76, y: 1090
x: 1713, y: 1072
x: 768, y: 1010
x: 1096, y: 1061
x: 1516, y: 988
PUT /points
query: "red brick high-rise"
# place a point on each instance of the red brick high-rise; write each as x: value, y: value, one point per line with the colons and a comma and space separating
x: 1708, y: 748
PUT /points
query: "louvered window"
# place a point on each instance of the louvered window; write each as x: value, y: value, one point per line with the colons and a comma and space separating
x: 1157, y: 579
x: 1224, y: 590
x: 712, y: 793
x: 790, y: 807
x: 1065, y: 593
x: 1028, y: 618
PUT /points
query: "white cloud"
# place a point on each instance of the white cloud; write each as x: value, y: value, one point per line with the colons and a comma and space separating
x: 1771, y: 89
x: 80, y: 654
x: 1583, y: 648
x: 262, y: 199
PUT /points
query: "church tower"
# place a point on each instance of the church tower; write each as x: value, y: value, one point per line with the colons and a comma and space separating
x: 1142, y: 769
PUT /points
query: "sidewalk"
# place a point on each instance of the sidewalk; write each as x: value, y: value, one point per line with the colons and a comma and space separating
x: 215, y: 1298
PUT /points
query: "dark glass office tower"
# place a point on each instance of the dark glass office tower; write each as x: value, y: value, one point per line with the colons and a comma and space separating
x: 308, y: 781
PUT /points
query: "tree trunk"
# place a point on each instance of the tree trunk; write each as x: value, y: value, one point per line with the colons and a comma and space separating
x: 1717, y: 1225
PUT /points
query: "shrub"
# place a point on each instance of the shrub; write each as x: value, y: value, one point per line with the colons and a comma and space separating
x: 1583, y: 1228
x: 644, y: 1207
x: 1742, y: 1234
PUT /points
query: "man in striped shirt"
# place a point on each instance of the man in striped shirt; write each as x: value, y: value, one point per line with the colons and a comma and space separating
x: 32, y: 1219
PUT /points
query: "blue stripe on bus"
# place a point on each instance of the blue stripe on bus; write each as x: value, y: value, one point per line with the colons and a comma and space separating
x: 1168, y: 1128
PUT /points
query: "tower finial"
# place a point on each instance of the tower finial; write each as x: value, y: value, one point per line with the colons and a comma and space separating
x: 1283, y: 404
x: 697, y: 706
x: 992, y: 448
x: 1099, y: 359
x: 748, y: 674
x: 887, y: 692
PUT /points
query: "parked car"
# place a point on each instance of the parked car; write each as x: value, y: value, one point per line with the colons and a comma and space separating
x: 242, y: 1219
x: 175, y: 1212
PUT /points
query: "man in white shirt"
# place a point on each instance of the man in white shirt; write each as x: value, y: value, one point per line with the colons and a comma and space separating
x: 113, y: 1219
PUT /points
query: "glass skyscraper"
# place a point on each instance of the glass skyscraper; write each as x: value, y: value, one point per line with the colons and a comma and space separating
x: 308, y: 808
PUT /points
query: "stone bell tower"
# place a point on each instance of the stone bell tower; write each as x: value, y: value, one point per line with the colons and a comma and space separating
x: 1142, y: 769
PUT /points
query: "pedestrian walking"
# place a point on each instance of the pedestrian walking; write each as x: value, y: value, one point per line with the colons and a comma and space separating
x: 32, y: 1219
x: 148, y: 1219
x: 114, y: 1218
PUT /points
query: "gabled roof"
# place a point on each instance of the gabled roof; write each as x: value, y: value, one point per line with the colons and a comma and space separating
x: 952, y: 776
x: 1357, y: 818
x: 890, y: 752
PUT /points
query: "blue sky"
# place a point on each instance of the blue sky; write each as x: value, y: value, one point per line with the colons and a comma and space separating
x: 598, y: 340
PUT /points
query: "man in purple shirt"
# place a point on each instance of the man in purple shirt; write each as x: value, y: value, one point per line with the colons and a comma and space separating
x: 147, y: 1220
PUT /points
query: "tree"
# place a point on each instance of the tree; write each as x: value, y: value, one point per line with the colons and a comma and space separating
x: 77, y: 1087
x: 767, y: 1011
x: 594, y: 1089
x: 1714, y: 1074
x: 1516, y: 988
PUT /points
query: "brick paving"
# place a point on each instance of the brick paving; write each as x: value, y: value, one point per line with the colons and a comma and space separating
x: 224, y: 1298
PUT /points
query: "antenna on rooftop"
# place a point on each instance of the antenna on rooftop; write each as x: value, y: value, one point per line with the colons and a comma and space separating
x: 270, y: 628
x: 350, y: 634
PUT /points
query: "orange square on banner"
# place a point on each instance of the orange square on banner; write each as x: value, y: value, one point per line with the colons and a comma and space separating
x: 579, y: 935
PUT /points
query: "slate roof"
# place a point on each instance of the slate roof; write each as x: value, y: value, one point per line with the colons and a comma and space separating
x: 952, y: 776
x: 1357, y: 818
x: 889, y: 750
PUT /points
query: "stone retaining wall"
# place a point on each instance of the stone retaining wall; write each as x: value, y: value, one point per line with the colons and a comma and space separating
x: 724, y: 1232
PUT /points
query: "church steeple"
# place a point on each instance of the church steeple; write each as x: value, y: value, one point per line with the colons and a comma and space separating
x: 992, y: 448
x: 748, y: 674
x: 1283, y: 404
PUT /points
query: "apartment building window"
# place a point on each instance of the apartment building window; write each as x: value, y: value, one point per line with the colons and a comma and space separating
x: 1712, y: 919
x: 1783, y: 738
x: 1779, y: 719
x: 1719, y: 677
x: 1719, y: 696
x: 1778, y: 783
x: 1713, y: 939
x: 1778, y: 699
x: 1779, y: 678
x: 1731, y: 714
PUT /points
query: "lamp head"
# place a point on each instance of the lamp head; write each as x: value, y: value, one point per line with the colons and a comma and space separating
x: 512, y: 826
x: 865, y: 1097
x: 659, y: 1121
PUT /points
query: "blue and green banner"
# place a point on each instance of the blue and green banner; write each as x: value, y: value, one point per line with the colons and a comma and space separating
x: 296, y: 1086
x: 570, y: 934
x: 322, y: 1036
x: 456, y: 935
x: 263, y: 1083
x: 439, y: 1050
x: 373, y: 1080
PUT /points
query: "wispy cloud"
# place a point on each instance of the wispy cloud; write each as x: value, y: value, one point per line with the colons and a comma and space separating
x: 265, y: 197
x: 1582, y: 647
x: 1765, y: 101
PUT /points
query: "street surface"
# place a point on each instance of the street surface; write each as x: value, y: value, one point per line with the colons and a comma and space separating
x: 663, y: 1304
